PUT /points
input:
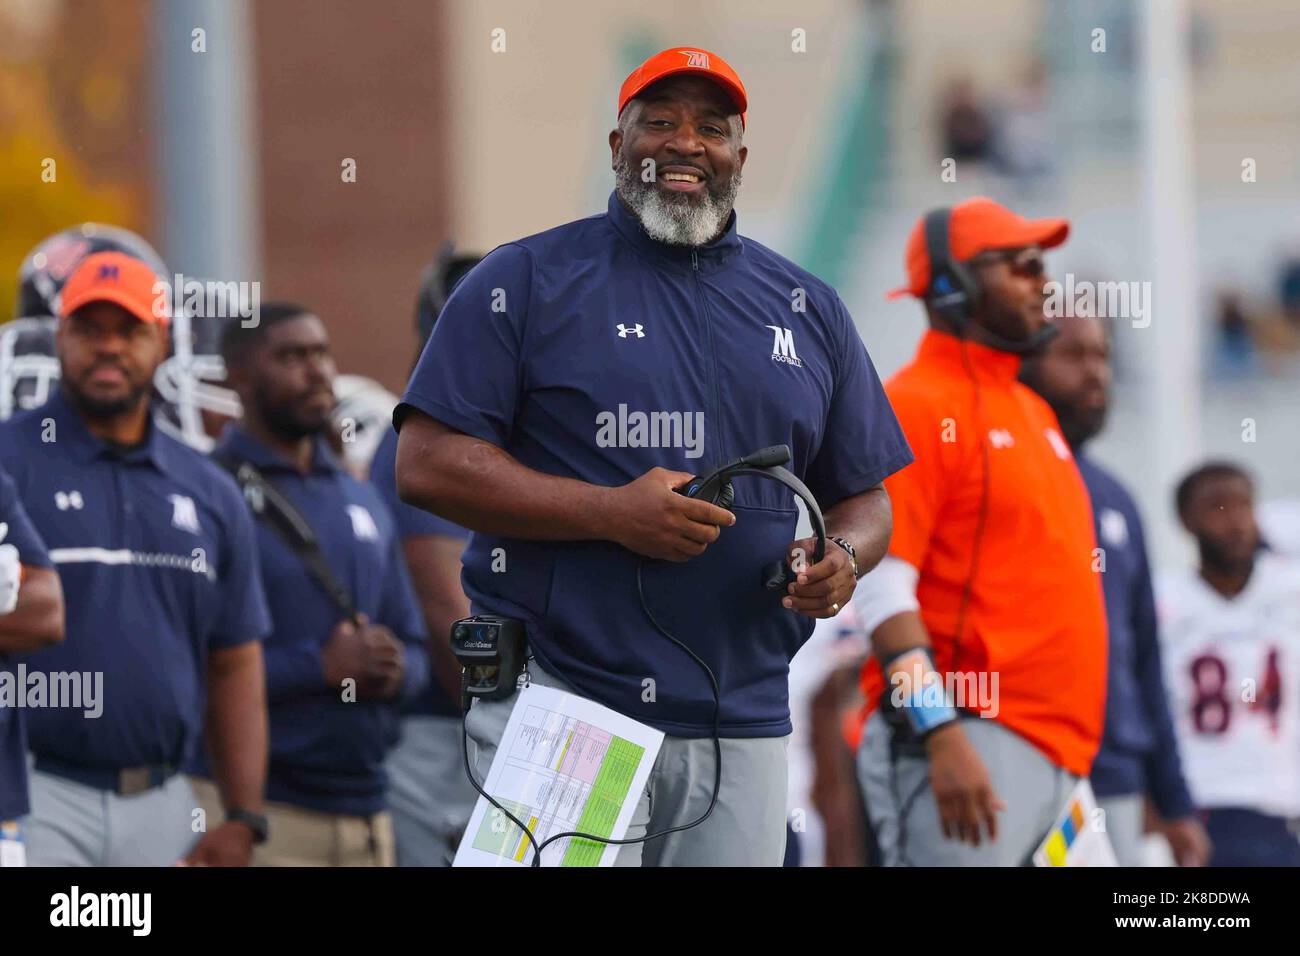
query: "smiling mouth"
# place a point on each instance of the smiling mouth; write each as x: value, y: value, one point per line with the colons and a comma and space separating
x: 681, y: 179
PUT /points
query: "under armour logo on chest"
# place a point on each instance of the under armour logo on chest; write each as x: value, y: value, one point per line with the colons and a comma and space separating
x: 624, y: 331
x: 63, y: 500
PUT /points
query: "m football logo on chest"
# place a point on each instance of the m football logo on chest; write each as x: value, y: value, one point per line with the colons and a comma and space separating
x: 184, y: 515
x: 783, y: 346
x: 363, y: 524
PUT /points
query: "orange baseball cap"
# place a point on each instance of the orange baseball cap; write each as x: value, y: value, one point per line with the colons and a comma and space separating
x: 685, y: 60
x: 120, y: 279
x: 977, y: 225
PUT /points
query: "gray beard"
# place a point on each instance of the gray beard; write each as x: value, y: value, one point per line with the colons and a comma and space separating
x: 677, y: 219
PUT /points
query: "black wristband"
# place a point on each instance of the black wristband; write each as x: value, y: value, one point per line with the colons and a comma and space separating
x: 256, y: 822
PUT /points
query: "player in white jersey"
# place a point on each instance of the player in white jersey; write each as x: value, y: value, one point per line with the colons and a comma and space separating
x: 1231, y: 636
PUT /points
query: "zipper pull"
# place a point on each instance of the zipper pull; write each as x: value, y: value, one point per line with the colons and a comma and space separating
x: 695, y: 260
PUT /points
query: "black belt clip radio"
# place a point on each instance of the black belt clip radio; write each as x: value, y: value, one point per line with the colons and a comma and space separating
x: 493, y: 651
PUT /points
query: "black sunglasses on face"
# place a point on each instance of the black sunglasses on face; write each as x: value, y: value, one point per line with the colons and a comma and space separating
x: 1027, y: 263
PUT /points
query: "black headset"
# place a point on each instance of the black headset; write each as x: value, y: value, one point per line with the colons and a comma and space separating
x: 955, y: 294
x: 715, y: 488
x: 953, y: 291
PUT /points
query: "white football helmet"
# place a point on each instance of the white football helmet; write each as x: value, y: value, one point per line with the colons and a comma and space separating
x: 195, y: 403
x: 363, y: 413
x: 29, y: 368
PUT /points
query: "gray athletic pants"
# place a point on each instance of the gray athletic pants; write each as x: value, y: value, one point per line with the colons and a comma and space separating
x: 905, y: 816
x: 71, y: 824
x: 747, y: 827
x: 429, y: 797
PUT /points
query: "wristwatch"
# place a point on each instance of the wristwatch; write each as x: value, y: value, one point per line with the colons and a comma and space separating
x: 256, y: 822
x: 853, y: 555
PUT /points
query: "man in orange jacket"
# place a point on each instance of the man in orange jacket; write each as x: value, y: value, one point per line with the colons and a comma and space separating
x: 988, y: 678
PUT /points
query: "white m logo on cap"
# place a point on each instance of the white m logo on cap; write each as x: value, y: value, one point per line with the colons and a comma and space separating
x: 696, y: 59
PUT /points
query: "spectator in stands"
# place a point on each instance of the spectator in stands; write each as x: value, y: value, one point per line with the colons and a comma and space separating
x: 967, y: 129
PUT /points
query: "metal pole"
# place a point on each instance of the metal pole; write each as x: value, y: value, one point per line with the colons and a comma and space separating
x: 1172, y: 342
x: 210, y: 213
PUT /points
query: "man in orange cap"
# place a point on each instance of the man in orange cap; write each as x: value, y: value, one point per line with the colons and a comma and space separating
x: 987, y: 620
x: 165, y: 609
x: 681, y: 198
x: 626, y: 590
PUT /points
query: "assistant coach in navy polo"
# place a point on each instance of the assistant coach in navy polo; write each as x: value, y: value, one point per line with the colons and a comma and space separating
x: 156, y: 553
x: 348, y: 639
x: 658, y: 307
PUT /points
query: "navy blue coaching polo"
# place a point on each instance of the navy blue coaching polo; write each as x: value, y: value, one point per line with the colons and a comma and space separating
x: 414, y: 522
x: 13, y: 739
x: 594, y: 352
x: 327, y: 754
x: 155, y: 550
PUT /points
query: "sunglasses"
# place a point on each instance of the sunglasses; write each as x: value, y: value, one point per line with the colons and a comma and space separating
x: 1026, y: 263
